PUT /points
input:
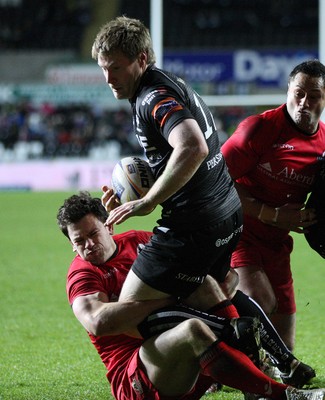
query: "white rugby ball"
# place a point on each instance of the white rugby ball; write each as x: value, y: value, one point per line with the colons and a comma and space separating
x: 131, y: 179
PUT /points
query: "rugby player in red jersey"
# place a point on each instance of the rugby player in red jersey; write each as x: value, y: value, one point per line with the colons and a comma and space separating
x: 274, y: 157
x: 190, y: 349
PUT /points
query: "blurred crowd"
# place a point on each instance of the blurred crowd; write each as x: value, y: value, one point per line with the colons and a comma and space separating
x: 28, y: 132
x: 82, y: 130
x: 47, y: 131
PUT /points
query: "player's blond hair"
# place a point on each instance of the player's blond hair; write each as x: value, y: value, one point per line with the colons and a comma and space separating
x: 128, y: 35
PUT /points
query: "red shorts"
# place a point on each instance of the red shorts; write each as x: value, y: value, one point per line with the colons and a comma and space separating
x: 135, y: 385
x: 273, y: 256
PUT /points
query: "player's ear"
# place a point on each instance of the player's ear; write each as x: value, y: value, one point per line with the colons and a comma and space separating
x: 110, y: 229
x: 142, y: 58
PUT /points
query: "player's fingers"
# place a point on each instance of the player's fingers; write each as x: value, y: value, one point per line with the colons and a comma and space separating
x: 120, y: 214
x: 106, y: 195
x: 293, y: 206
x: 308, y: 215
x: 306, y: 224
x: 109, y: 200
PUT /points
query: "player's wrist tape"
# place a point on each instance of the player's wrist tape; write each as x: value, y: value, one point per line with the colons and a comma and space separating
x: 262, y: 217
x: 275, y: 218
x: 261, y: 212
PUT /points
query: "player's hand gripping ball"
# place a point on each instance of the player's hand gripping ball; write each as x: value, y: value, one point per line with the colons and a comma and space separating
x: 131, y: 179
x: 316, y: 233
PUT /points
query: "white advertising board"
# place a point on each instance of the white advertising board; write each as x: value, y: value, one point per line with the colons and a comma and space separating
x: 55, y: 175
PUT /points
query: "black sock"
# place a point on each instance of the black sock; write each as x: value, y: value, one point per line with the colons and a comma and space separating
x: 270, y: 339
x: 167, y: 318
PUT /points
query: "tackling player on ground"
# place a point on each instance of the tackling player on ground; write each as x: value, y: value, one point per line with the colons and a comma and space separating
x: 180, y: 362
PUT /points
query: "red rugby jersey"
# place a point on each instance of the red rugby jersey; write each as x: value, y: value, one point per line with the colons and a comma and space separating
x: 83, y: 278
x: 273, y: 159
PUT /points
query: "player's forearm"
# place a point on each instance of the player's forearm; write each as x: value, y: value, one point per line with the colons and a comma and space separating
x: 124, y: 317
x: 181, y: 167
x: 256, y: 208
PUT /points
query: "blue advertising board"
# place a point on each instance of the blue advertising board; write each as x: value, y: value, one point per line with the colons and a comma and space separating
x: 240, y: 72
x: 263, y: 68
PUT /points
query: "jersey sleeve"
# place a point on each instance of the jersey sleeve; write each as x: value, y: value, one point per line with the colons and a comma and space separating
x: 83, y: 280
x: 243, y: 149
x: 165, y: 111
x: 144, y: 236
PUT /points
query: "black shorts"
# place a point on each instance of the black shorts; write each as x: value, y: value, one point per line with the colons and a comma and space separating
x: 178, y: 262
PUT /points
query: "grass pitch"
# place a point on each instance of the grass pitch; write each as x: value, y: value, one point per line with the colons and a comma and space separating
x: 45, y: 354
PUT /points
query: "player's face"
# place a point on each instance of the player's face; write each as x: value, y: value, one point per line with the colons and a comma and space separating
x: 121, y: 74
x: 306, y: 101
x: 91, y: 240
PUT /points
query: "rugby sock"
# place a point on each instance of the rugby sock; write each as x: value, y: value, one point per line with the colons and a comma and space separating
x: 232, y: 368
x: 224, y: 309
x: 270, y: 338
x: 168, y: 317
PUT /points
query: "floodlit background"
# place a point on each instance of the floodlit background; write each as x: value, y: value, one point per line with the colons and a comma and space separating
x: 60, y: 126
x: 61, y: 130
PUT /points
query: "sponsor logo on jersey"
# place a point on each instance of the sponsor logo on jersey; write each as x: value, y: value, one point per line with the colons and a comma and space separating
x: 108, y: 274
x: 322, y: 157
x: 291, y: 174
x: 188, y: 278
x: 136, y: 385
x: 287, y: 174
x: 266, y: 166
x: 213, y: 162
x: 164, y: 109
x: 149, y: 97
x: 283, y: 146
x: 224, y: 241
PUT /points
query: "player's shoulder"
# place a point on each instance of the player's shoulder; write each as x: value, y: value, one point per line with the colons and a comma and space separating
x: 264, y: 117
x: 271, y: 119
x: 274, y: 116
x: 321, y: 127
x: 79, y: 265
x: 252, y: 125
x: 157, y: 83
x: 80, y: 262
x: 149, y: 93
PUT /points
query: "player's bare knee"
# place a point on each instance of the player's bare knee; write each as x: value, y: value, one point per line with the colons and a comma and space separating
x: 267, y: 301
x: 197, y: 334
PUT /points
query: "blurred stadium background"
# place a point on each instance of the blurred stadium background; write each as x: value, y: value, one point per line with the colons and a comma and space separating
x: 61, y: 128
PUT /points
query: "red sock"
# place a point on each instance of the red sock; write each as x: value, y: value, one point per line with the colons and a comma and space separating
x: 224, y: 309
x: 232, y: 368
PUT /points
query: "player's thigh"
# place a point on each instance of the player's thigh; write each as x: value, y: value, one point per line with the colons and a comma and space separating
x: 173, y: 356
x: 254, y: 282
x: 207, y: 295
x: 135, y: 289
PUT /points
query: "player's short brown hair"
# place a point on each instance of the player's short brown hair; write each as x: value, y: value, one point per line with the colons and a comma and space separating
x: 78, y: 206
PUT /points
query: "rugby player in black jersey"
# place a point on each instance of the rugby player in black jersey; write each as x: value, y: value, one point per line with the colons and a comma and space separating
x: 201, y: 217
